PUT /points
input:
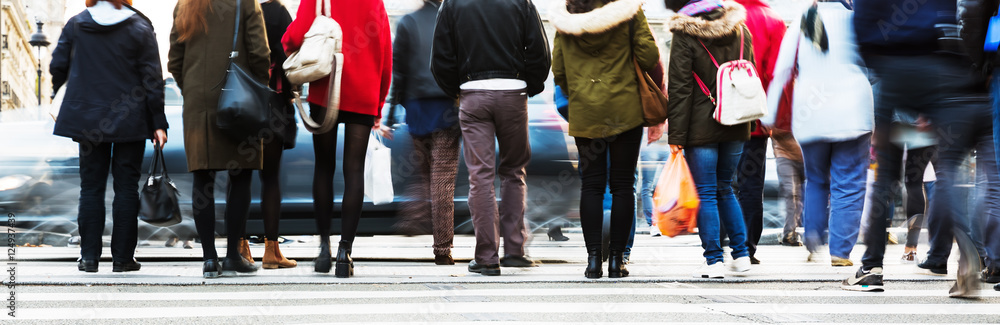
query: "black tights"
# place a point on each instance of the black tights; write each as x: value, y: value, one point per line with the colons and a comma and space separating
x: 237, y: 209
x: 270, y: 196
x: 355, y: 149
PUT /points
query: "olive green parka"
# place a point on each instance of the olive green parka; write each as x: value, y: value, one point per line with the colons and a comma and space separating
x: 592, y: 63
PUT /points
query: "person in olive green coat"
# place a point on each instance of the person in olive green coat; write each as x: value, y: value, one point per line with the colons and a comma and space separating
x: 702, y: 30
x: 200, y: 44
x: 592, y: 61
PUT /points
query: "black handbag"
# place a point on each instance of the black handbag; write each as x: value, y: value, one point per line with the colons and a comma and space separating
x: 158, y: 204
x: 245, y: 104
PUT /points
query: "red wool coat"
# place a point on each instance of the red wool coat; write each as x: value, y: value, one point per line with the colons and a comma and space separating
x: 367, y: 53
x: 767, y: 29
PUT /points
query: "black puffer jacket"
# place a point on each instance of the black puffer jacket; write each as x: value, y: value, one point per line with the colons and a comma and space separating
x: 689, y: 111
x: 114, y: 80
x: 488, y: 39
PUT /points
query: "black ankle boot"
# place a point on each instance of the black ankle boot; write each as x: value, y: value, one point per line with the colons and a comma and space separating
x: 234, y: 264
x: 323, y: 262
x: 211, y: 269
x: 594, y: 262
x: 616, y: 265
x: 345, y: 265
x: 555, y: 234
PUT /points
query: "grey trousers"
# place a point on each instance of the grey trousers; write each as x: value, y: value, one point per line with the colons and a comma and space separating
x: 791, y: 177
x: 488, y: 118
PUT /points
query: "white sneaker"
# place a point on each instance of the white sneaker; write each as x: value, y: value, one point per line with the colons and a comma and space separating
x: 714, y: 271
x: 654, y: 231
x: 741, y: 264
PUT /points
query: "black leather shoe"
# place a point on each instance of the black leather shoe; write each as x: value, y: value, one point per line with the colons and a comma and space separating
x: 323, y: 263
x: 936, y: 269
x: 991, y: 275
x: 594, y: 270
x: 211, y: 269
x: 345, y: 265
x: 616, y: 265
x: 556, y: 234
x: 516, y: 261
x: 125, y: 266
x: 996, y: 287
x: 89, y: 266
x: 490, y: 269
x: 232, y: 265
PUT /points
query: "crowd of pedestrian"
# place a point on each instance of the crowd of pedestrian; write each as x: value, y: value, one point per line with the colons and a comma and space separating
x: 857, y: 114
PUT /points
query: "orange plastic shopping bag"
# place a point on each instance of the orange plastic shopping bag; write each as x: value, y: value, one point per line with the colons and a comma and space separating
x: 675, y: 199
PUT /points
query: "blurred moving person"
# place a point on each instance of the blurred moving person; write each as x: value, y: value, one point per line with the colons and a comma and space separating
x: 791, y: 179
x: 594, y: 48
x: 432, y: 118
x: 921, y: 151
x: 919, y: 72
x: 975, y: 18
x: 200, y: 42
x: 832, y: 121
x: 493, y: 54
x: 703, y: 29
x: 653, y: 154
x: 104, y: 54
x: 366, y: 76
x: 767, y: 29
x: 283, y: 132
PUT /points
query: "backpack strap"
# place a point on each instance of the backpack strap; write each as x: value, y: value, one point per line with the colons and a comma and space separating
x: 701, y: 84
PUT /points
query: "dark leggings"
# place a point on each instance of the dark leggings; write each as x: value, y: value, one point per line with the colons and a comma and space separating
x: 355, y: 149
x: 237, y: 209
x: 913, y: 178
x: 270, y: 189
x: 596, y: 176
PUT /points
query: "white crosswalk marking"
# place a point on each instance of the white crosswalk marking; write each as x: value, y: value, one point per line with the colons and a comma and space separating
x: 475, y: 304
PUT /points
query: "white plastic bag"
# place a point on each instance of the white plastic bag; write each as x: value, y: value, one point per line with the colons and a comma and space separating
x: 378, y: 171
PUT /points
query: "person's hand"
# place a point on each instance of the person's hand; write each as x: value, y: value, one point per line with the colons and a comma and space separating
x: 160, y: 137
x: 923, y: 124
x: 654, y: 133
x: 383, y: 130
x: 765, y: 129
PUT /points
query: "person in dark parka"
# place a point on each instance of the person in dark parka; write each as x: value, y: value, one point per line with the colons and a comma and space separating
x: 107, y: 58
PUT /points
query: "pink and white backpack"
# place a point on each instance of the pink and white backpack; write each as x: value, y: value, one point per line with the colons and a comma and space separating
x: 741, y: 93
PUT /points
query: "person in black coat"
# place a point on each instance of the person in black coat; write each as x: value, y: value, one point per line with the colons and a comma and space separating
x: 108, y: 59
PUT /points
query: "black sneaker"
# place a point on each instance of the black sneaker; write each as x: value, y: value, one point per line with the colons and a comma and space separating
x: 491, y: 269
x: 933, y: 269
x: 870, y: 281
x: 516, y: 261
x: 991, y: 275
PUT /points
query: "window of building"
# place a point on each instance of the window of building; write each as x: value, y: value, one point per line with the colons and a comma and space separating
x: 4, y: 41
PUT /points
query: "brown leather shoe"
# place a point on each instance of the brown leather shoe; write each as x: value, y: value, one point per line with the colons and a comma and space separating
x: 273, y: 258
x: 444, y: 260
x: 245, y: 250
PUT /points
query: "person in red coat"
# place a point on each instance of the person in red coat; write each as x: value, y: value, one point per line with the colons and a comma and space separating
x: 767, y: 29
x: 367, y: 71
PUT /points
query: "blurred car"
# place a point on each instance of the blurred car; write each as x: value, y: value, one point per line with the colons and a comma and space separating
x: 39, y: 178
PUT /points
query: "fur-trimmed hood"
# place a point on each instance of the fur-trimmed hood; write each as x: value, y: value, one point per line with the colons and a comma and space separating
x: 596, y: 21
x: 724, y: 23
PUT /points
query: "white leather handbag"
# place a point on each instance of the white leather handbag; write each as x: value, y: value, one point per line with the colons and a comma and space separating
x: 320, y: 55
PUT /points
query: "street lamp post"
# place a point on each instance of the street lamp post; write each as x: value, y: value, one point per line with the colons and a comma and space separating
x: 39, y: 40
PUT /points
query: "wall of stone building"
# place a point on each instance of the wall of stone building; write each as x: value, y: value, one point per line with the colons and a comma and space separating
x: 18, y: 62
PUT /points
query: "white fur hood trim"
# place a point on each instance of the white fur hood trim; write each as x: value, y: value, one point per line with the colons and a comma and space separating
x: 596, y: 21
x: 733, y: 14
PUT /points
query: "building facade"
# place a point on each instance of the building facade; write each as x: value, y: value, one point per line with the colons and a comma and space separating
x: 18, y: 61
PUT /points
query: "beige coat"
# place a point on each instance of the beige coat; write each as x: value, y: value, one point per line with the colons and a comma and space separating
x: 199, y: 65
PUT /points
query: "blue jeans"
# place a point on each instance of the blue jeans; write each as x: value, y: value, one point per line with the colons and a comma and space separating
x: 942, y: 88
x: 652, y: 162
x: 836, y: 174
x: 712, y: 167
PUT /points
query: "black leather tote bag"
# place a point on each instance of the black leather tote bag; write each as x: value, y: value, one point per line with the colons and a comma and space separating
x: 158, y: 204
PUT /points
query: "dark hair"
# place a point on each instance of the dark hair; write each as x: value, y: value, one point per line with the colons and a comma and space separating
x: 582, y: 6
x: 675, y: 5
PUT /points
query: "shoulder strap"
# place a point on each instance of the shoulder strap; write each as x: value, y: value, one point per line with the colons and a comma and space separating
x: 236, y: 30
x: 710, y: 53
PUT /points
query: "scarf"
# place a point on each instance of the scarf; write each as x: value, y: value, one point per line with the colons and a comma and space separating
x: 699, y: 7
x: 813, y: 29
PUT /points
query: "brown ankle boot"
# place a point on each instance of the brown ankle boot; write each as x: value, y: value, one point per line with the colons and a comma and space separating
x: 273, y: 258
x: 245, y: 250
